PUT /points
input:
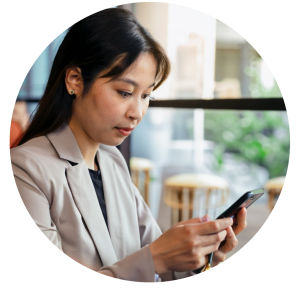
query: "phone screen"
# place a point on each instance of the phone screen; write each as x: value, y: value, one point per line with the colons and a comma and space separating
x: 245, y: 201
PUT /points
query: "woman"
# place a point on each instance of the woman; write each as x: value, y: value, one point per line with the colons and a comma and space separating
x: 74, y: 181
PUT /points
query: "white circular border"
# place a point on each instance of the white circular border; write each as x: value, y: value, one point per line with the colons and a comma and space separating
x: 265, y: 267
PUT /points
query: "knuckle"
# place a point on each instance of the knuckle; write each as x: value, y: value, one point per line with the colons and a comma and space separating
x: 219, y: 237
x: 199, y: 262
x: 216, y: 247
x: 191, y: 245
x: 215, y: 226
x: 194, y: 257
x: 187, y: 230
x: 195, y: 263
x: 200, y: 243
x: 194, y: 260
x: 194, y: 253
x: 235, y: 243
x: 202, y: 261
x: 222, y: 257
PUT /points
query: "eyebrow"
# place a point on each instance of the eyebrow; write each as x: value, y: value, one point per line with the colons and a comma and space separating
x: 132, y: 82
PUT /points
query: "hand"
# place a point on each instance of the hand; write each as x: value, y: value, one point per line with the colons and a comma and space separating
x: 107, y: 273
x: 184, y: 246
x: 239, y: 224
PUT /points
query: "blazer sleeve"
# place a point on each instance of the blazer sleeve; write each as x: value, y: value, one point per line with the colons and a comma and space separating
x: 33, y: 198
x: 135, y: 267
x: 150, y: 231
x: 139, y: 266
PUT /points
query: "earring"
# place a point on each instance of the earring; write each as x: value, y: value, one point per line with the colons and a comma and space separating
x: 72, y: 92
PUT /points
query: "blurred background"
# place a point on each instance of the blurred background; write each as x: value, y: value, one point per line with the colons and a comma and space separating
x: 218, y: 123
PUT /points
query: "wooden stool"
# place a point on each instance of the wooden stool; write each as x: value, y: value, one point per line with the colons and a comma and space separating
x: 137, y: 166
x: 208, y: 184
x: 274, y: 187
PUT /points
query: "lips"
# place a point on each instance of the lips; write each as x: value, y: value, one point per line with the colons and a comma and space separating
x: 125, y: 131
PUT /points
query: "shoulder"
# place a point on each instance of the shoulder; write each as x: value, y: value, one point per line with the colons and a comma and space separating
x: 37, y: 157
x: 36, y: 148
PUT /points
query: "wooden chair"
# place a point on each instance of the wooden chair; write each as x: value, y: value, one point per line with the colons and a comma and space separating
x: 207, y: 185
x: 138, y: 166
x: 274, y: 187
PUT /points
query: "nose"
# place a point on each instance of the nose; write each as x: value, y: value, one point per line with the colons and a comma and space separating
x: 136, y: 109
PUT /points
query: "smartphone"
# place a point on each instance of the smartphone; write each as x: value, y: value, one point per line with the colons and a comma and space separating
x: 245, y: 201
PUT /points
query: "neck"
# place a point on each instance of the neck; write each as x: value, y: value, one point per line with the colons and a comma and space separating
x: 87, y: 145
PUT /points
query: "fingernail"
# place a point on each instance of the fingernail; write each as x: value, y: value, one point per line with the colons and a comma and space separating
x: 230, y: 233
x: 205, y: 218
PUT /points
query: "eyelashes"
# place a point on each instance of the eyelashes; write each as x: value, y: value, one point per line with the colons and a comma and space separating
x: 127, y: 95
x: 151, y: 98
x: 124, y: 94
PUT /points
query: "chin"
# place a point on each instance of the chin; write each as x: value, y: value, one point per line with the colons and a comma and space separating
x: 116, y: 142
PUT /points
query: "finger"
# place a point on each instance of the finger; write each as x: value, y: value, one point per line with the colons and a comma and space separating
x: 199, y: 262
x: 212, y: 227
x: 205, y: 218
x: 241, y: 221
x: 195, y: 221
x: 209, y: 249
x: 218, y: 257
x: 207, y: 240
x: 230, y: 243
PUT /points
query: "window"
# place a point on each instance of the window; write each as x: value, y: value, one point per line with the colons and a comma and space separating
x: 219, y: 112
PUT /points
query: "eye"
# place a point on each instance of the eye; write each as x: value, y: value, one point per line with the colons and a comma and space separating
x: 148, y: 97
x: 124, y: 94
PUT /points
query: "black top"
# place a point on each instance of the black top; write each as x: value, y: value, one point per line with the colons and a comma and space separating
x: 98, y: 185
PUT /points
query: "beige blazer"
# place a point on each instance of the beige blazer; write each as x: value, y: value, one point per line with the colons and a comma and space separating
x: 62, y: 201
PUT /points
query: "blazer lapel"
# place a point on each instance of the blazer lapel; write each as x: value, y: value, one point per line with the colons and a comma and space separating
x: 83, y: 191
x: 86, y: 200
x: 120, y: 205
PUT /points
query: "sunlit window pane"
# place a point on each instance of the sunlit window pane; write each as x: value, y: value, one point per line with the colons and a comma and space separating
x: 209, y: 59
x: 244, y: 147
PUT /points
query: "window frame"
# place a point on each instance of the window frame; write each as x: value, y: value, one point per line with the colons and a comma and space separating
x: 254, y: 104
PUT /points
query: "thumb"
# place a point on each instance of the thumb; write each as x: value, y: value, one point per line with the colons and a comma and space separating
x: 230, y: 233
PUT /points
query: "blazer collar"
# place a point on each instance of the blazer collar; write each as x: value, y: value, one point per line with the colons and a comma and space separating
x: 65, y: 144
x: 120, y: 201
x: 87, y: 203
x: 120, y: 205
x: 84, y: 195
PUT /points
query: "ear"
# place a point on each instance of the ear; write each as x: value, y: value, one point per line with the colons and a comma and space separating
x: 74, y: 81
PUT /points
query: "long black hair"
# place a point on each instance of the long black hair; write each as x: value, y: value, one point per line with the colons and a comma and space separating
x: 93, y: 45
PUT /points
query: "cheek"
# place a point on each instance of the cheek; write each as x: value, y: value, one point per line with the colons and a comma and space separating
x: 106, y: 110
x: 145, y: 108
x: 143, y: 114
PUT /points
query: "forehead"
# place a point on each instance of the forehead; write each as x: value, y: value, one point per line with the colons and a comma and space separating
x: 144, y: 69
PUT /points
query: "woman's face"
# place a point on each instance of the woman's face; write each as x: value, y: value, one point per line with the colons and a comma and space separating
x: 111, y: 109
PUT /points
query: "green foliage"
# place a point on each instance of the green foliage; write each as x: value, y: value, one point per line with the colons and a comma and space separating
x: 257, y: 137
